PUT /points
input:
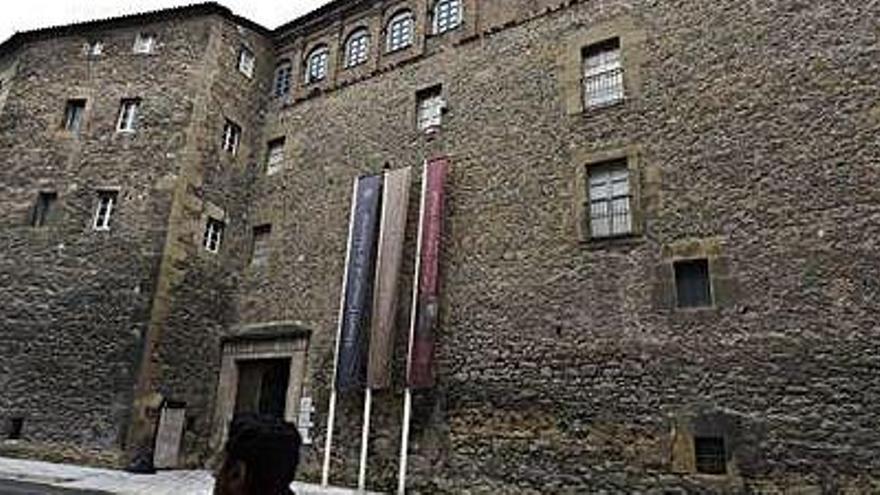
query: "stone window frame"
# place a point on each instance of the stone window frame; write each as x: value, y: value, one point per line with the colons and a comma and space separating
x: 145, y: 43
x: 724, y: 286
x: 282, y: 81
x: 247, y: 61
x: 261, y: 255
x: 275, y: 155
x: 436, y: 28
x: 317, y: 64
x: 398, y: 15
x: 73, y: 121
x: 45, y: 208
x: 688, y: 426
x: 102, y: 217
x: 232, y: 133
x: 129, y: 115
x: 360, y: 32
x: 435, y: 93
x: 584, y: 161
x: 632, y: 40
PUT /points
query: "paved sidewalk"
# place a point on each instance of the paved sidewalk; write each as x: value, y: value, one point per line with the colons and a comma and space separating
x: 123, y: 483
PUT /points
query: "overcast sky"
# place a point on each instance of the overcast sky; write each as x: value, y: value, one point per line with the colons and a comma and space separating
x: 24, y: 15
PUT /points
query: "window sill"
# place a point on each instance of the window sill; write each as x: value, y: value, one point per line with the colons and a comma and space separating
x: 398, y: 49
x: 590, y: 109
x: 623, y: 240
x: 101, y: 229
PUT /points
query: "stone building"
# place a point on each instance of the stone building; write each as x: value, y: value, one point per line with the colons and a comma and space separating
x: 659, y: 268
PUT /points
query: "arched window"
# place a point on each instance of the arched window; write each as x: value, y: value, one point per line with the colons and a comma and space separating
x: 316, y: 64
x: 400, y: 31
x: 447, y: 15
x: 283, y: 78
x: 357, y: 48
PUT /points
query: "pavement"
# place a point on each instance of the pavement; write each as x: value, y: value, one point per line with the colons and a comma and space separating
x: 22, y: 477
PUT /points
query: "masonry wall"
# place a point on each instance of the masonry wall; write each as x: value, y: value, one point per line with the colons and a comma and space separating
x: 76, y: 301
x: 563, y: 367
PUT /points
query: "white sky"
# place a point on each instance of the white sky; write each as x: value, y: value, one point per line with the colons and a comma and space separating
x: 24, y: 15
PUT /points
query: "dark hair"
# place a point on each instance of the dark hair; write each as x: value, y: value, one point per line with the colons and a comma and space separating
x: 269, y: 447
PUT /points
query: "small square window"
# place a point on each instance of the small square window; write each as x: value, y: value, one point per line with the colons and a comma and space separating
x: 246, y: 62
x: 213, y: 235
x: 610, y: 199
x: 231, y: 137
x: 692, y: 284
x: 603, y: 74
x: 73, y: 115
x: 15, y: 428
x: 260, y: 246
x: 275, y: 156
x: 710, y: 455
x: 431, y: 106
x: 94, y: 48
x: 43, y: 208
x: 128, y: 115
x: 144, y: 43
x: 104, y: 209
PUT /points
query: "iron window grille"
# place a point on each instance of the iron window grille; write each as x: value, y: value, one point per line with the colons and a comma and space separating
x: 260, y: 245
x: 275, y: 156
x: 430, y: 108
x: 710, y: 455
x: 610, y: 200
x: 128, y: 115
x: 246, y: 62
x: 400, y: 31
x: 603, y: 74
x: 692, y: 283
x: 43, y: 208
x: 73, y: 115
x: 231, y: 137
x: 283, y: 79
x: 316, y: 65
x: 213, y: 235
x: 358, y: 47
x: 144, y: 43
x: 104, y: 210
x: 447, y: 15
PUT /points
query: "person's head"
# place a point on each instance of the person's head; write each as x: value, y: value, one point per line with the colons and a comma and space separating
x: 260, y: 457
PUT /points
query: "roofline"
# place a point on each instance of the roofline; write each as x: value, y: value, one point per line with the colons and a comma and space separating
x: 199, y: 9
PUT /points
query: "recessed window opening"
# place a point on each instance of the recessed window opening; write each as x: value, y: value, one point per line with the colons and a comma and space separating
x: 231, y: 137
x: 128, y: 115
x: 431, y: 106
x: 144, y: 43
x: 603, y: 74
x: 692, y: 284
x: 104, y: 209
x: 400, y: 31
x: 73, y: 115
x: 610, y: 199
x: 213, y: 235
x: 357, y: 48
x: 246, y: 62
x: 316, y: 64
x: 16, y: 426
x: 43, y: 208
x: 710, y: 455
x: 283, y: 79
x: 260, y: 247
x: 447, y: 15
x: 275, y: 156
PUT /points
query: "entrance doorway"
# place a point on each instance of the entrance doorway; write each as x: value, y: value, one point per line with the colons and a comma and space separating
x: 262, y: 386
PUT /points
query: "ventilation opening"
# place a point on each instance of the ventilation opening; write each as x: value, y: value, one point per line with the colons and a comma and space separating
x: 711, y: 455
x: 16, y: 425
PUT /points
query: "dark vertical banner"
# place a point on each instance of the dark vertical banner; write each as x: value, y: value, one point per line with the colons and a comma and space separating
x: 358, y: 300
x: 421, y: 373
x: 395, y: 200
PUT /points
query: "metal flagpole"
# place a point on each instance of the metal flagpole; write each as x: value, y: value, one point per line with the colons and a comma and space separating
x: 331, y: 415
x: 407, y: 394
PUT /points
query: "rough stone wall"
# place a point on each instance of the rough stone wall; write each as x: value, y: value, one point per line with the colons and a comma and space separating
x: 562, y: 366
x: 76, y: 300
x: 8, y: 65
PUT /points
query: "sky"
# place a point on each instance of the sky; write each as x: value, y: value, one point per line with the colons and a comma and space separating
x: 35, y: 14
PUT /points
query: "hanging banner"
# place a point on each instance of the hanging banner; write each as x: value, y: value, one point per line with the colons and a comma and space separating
x: 420, y: 373
x: 395, y: 201
x: 358, y: 300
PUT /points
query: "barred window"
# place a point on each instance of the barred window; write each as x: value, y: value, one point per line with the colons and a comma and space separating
x: 400, y: 31
x: 610, y: 199
x: 213, y: 235
x: 246, y: 62
x: 316, y: 64
x: 283, y: 79
x: 693, y: 288
x: 104, y: 209
x: 73, y: 115
x: 231, y: 137
x: 711, y: 455
x: 430, y: 108
x: 260, y: 245
x: 603, y: 74
x: 275, y: 156
x: 447, y: 15
x: 128, y: 115
x: 357, y: 48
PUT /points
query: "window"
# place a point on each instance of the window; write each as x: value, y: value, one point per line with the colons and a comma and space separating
x: 357, y: 49
x: 94, y: 48
x: 610, y: 199
x: 144, y: 43
x: 430, y: 108
x: 603, y: 74
x: 447, y: 15
x: 316, y: 64
x: 104, y: 209
x: 275, y: 156
x: 44, y: 207
x: 246, y: 62
x: 231, y: 137
x: 16, y: 425
x: 283, y: 77
x: 73, y: 115
x: 692, y: 285
x: 400, y: 31
x: 213, y: 235
x: 128, y: 115
x: 260, y: 245
x: 710, y: 455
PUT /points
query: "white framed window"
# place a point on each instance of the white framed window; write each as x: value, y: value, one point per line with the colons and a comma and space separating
x: 610, y: 199
x: 73, y: 115
x: 128, y: 115
x: 316, y: 64
x: 231, y: 137
x: 430, y: 107
x: 447, y: 15
x: 603, y: 74
x: 246, y: 62
x: 104, y: 209
x: 275, y: 156
x: 144, y: 43
x: 283, y: 79
x: 357, y: 49
x: 213, y: 235
x: 400, y: 31
x: 260, y: 245
x: 94, y: 48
